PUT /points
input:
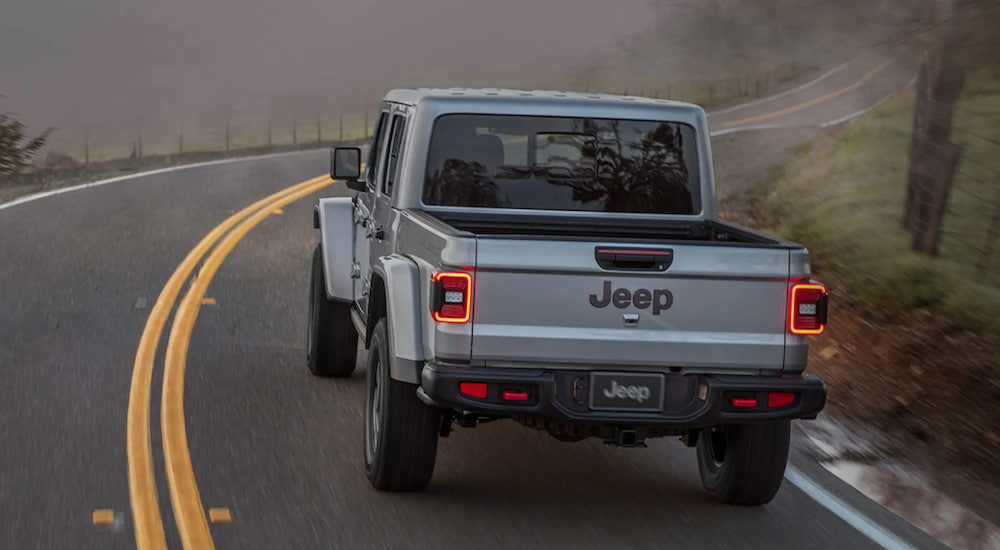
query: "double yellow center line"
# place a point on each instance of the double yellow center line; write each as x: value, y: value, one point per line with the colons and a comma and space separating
x: 185, y: 499
x: 816, y: 100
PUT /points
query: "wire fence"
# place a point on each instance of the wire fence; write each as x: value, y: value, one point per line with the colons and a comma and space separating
x: 969, y: 205
x: 214, y: 133
x: 250, y: 130
x: 972, y: 216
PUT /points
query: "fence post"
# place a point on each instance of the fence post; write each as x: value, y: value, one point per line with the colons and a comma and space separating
x: 756, y: 87
x: 933, y: 157
x: 138, y: 144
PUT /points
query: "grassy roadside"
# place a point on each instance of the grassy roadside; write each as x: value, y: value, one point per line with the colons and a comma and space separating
x: 844, y: 198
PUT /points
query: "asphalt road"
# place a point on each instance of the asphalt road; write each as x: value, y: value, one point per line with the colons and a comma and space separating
x: 281, y: 449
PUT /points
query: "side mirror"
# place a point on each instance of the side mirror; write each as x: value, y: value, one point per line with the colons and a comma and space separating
x: 345, y: 164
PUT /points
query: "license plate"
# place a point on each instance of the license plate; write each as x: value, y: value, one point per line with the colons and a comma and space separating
x: 626, y: 391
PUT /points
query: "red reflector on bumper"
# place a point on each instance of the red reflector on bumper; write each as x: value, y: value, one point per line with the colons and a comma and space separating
x: 749, y: 403
x: 780, y: 399
x: 515, y: 395
x: 473, y: 389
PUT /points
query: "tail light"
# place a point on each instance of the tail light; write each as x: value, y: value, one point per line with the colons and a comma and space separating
x: 452, y: 297
x: 807, y: 309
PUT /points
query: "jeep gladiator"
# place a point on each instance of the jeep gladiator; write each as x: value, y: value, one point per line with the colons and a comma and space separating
x: 556, y: 259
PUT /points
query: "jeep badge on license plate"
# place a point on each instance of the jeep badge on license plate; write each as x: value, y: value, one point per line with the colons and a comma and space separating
x: 626, y: 391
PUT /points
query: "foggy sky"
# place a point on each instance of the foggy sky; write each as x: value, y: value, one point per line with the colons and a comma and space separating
x: 81, y: 62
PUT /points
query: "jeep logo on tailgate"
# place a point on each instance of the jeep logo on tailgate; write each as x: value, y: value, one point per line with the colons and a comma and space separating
x: 627, y: 391
x: 620, y: 391
x: 641, y: 298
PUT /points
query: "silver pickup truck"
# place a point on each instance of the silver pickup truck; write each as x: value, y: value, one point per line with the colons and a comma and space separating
x: 556, y: 259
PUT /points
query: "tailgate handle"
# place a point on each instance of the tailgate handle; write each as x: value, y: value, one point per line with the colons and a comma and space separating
x: 634, y: 259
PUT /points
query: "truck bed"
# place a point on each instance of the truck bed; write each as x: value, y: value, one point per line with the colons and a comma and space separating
x: 572, y: 227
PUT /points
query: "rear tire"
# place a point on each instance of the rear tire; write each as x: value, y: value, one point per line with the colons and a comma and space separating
x: 744, y: 463
x: 332, y: 342
x: 401, y: 432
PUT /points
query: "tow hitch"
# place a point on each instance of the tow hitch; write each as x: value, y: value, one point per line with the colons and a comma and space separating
x: 624, y: 437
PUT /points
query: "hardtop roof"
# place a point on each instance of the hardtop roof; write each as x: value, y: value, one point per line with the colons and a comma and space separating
x: 494, y: 96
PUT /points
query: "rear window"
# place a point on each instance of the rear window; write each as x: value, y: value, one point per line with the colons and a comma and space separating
x: 555, y: 163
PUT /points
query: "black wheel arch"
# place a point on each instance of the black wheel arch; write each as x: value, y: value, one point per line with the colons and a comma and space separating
x: 377, y: 307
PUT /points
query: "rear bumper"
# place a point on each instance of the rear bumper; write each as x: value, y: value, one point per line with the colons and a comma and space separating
x: 690, y: 401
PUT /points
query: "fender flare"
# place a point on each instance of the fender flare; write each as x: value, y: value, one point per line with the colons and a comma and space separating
x: 335, y: 219
x: 401, y: 294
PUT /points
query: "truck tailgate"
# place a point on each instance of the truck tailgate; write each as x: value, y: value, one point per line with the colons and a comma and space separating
x: 545, y: 301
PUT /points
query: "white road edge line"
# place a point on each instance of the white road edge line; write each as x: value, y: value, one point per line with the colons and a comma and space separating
x: 844, y: 511
x: 37, y: 196
x: 746, y: 128
x: 813, y: 82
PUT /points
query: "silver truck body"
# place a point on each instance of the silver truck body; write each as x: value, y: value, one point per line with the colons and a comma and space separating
x: 531, y: 303
x: 555, y: 259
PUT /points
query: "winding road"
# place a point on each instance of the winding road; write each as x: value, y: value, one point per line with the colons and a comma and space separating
x: 123, y: 425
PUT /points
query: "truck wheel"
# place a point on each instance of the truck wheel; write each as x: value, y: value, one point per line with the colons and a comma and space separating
x: 401, y: 432
x: 332, y: 342
x: 744, y: 463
